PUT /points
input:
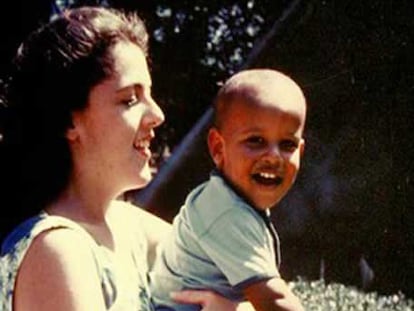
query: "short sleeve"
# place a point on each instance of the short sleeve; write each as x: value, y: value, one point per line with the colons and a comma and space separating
x: 239, y: 243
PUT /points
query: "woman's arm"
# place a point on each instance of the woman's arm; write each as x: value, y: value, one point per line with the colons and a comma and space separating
x: 154, y: 229
x: 58, y: 272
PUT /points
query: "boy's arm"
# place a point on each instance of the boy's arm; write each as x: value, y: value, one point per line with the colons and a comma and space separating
x: 272, y: 295
x: 210, y: 301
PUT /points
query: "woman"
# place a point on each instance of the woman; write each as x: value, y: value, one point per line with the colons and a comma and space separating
x: 80, y: 122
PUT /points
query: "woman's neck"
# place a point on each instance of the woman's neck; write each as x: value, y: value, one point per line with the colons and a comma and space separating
x: 92, y: 215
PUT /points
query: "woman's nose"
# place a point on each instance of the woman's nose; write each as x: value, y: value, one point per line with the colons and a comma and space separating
x: 155, y: 115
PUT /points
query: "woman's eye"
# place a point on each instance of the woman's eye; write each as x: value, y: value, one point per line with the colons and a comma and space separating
x: 130, y: 101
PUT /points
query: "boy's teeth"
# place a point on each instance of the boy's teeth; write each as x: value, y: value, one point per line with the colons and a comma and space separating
x: 267, y: 175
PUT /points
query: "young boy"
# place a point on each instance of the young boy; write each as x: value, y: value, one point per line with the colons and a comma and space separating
x: 222, y: 238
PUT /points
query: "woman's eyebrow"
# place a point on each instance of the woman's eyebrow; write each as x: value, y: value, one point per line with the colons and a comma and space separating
x: 133, y: 87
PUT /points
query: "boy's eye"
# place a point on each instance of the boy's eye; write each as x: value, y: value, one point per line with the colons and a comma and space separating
x: 288, y: 145
x: 255, y: 141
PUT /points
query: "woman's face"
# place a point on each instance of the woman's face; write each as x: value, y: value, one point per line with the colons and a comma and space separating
x: 111, y: 136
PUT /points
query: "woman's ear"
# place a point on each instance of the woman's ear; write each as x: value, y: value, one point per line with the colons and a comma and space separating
x: 72, y: 133
x: 216, y: 146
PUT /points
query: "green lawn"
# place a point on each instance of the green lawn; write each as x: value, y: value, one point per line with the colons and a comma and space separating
x: 318, y: 296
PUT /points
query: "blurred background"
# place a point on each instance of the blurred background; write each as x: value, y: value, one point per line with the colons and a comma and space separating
x: 350, y: 216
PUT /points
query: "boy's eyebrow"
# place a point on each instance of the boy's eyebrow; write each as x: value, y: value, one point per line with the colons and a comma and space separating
x: 296, y: 139
x: 295, y: 135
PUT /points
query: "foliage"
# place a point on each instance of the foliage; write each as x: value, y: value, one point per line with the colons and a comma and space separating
x: 319, y: 296
x: 206, y: 42
x: 223, y: 32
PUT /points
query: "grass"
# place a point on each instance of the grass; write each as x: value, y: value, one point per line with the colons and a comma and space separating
x: 319, y: 296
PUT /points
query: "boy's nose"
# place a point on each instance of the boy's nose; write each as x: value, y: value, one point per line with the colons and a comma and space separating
x: 274, y: 150
x: 273, y: 154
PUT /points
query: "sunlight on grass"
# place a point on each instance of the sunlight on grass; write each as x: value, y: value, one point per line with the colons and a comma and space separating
x: 319, y: 296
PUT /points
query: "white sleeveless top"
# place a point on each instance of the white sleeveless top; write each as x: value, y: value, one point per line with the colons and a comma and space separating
x: 134, y: 295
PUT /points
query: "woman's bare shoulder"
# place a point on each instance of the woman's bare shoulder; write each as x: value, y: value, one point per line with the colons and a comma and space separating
x: 59, y: 261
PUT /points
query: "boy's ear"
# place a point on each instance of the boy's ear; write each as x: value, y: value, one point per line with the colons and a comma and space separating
x: 302, y: 147
x: 215, y: 146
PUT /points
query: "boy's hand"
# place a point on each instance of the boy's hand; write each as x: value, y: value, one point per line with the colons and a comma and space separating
x: 272, y: 295
x: 209, y: 301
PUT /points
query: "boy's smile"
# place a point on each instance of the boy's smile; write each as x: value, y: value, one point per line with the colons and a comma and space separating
x: 267, y: 179
x: 259, y: 145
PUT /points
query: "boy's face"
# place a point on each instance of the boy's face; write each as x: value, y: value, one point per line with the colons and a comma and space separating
x: 258, y: 149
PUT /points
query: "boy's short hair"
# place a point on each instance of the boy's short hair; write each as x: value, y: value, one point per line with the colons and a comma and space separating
x: 247, y: 86
x: 227, y: 95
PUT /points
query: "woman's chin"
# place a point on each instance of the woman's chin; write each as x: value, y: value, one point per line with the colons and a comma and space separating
x: 140, y: 178
x: 144, y: 177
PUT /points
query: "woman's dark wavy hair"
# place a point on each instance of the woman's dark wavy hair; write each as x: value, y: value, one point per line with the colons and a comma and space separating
x: 54, y: 71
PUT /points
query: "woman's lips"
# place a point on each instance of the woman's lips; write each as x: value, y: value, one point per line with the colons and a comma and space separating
x: 143, y: 147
